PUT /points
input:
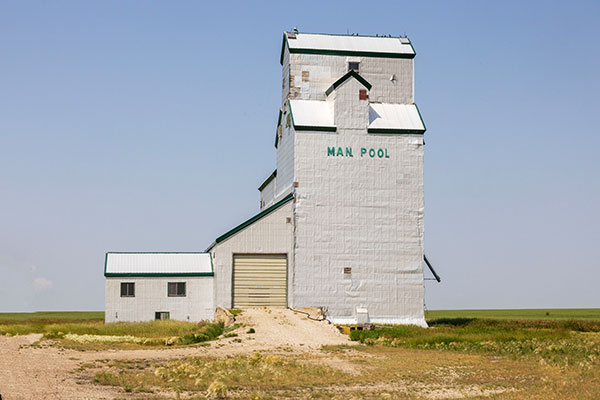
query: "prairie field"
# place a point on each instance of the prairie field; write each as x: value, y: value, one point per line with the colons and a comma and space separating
x: 588, y: 314
x: 276, y: 354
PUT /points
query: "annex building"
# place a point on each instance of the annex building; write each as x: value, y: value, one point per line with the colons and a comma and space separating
x: 341, y: 221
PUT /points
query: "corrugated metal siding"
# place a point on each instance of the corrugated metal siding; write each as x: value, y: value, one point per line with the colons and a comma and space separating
x: 138, y: 263
x: 259, y: 280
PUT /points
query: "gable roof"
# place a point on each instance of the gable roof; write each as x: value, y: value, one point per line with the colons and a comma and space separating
x: 132, y: 264
x: 252, y: 220
x: 344, y: 78
x: 347, y: 45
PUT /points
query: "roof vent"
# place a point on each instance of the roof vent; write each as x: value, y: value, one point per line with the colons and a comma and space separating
x: 291, y: 35
x: 404, y: 40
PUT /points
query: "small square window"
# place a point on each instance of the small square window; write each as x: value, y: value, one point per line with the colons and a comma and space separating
x: 353, y: 66
x: 363, y: 95
x: 127, y: 289
x: 162, y: 315
x: 176, y: 289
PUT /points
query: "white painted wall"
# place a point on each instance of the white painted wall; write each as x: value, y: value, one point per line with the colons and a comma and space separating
x: 151, y: 296
x: 361, y: 212
x: 323, y: 70
x: 270, y: 235
x: 285, y: 158
x: 364, y: 213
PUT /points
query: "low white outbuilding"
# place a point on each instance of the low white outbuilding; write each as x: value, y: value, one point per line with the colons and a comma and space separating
x: 147, y: 286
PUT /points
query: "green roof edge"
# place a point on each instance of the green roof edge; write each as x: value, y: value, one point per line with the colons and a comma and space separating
x: 276, y: 130
x: 374, y: 54
x: 315, y: 128
x: 395, y: 131
x: 267, y: 181
x: 165, y: 274
x: 347, y: 75
x: 250, y: 221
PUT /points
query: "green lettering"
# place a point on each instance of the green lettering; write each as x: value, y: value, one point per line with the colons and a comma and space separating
x: 386, y: 154
x: 380, y: 153
x: 340, y: 152
x: 362, y: 151
x: 331, y: 151
x: 372, y: 152
x: 348, y: 151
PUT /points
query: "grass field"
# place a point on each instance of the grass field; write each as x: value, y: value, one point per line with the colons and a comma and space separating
x: 460, y: 358
x: 52, y: 315
x: 590, y: 314
x: 87, y: 330
x: 502, y: 354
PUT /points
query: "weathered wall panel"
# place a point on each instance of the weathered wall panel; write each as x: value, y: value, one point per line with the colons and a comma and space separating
x: 151, y: 296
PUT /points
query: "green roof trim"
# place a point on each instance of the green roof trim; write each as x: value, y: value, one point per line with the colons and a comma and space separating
x: 155, y: 274
x: 347, y: 75
x: 131, y: 275
x: 374, y: 54
x: 277, y: 133
x: 267, y: 181
x: 395, y: 131
x: 284, y: 44
x: 377, y: 54
x: 315, y: 128
x: 252, y: 220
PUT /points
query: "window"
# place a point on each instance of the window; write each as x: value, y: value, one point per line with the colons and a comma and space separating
x: 176, y: 289
x: 353, y: 66
x: 162, y: 315
x: 127, y: 289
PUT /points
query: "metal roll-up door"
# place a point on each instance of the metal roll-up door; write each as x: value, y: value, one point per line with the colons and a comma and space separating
x: 259, y: 280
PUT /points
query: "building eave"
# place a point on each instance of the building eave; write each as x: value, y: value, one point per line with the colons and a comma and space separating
x: 267, y: 181
x: 252, y: 220
x: 346, y: 76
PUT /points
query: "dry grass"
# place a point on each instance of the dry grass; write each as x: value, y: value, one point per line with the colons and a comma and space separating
x: 499, y: 360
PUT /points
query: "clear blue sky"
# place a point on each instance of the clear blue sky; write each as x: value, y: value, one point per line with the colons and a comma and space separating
x: 148, y: 126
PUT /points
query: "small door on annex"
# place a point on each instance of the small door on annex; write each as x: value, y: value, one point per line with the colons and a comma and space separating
x: 259, y: 280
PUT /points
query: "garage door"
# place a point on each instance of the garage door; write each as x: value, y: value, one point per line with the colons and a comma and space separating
x: 259, y: 280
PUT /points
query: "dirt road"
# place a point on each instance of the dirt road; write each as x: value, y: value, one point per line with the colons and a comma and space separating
x: 51, y: 373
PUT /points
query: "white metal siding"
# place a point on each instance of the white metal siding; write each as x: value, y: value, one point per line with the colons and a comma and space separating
x: 151, y: 296
x: 272, y: 234
x: 259, y: 280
